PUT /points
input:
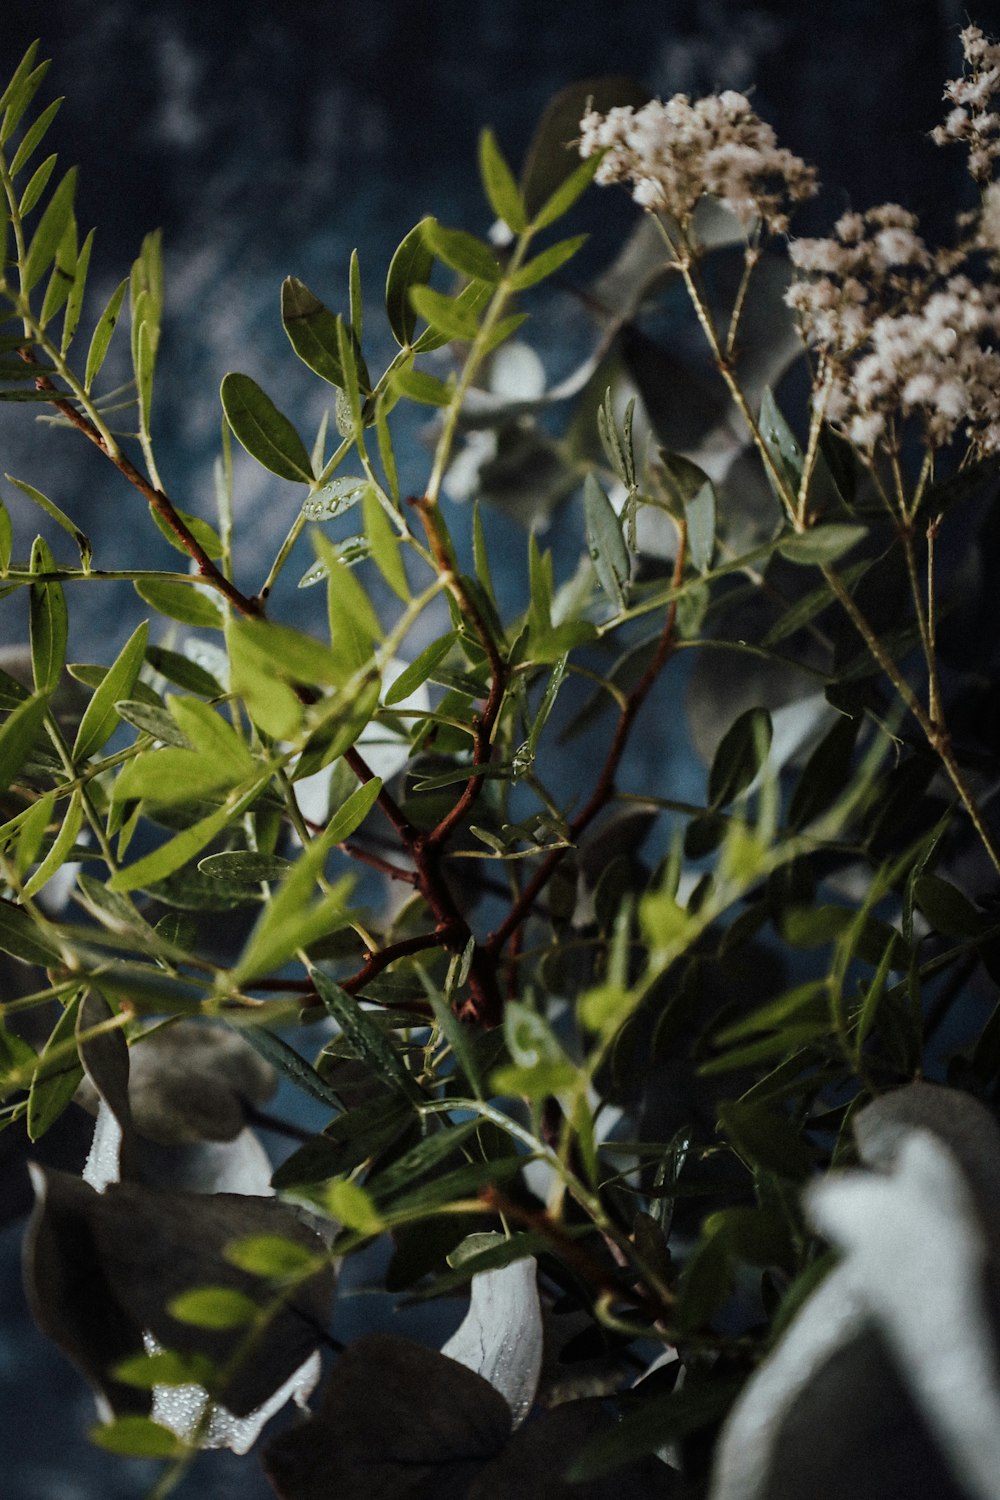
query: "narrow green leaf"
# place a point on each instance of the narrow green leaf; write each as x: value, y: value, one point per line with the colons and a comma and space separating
x: 33, y: 136
x: 566, y: 194
x: 183, y: 672
x: 204, y: 534
x: 18, y: 734
x: 63, y: 274
x: 784, y: 448
x: 270, y: 1255
x: 384, y: 542
x: 51, y: 228
x: 462, y: 252
x: 74, y: 303
x: 147, y: 343
x: 18, y: 95
x: 821, y: 545
x: 386, y: 452
x: 605, y: 542
x: 356, y: 304
x: 59, y: 516
x: 61, y: 846
x: 58, y: 1074
x: 410, y: 266
x: 547, y: 263
x: 151, y: 720
x: 18, y: 77
x: 48, y: 622
x: 420, y: 669
x: 101, y: 337
x: 175, y: 852
x: 501, y: 189
x: 180, y: 601
x: 699, y: 512
x: 311, y: 330
x: 214, y: 1307
x: 467, y: 304
x: 244, y: 866
x: 170, y: 777
x: 275, y: 1050
x: 6, y: 538
x: 101, y: 716
x: 137, y: 1437
x: 31, y: 829
x: 165, y: 1367
x: 209, y: 733
x: 20, y: 937
x: 367, y: 1042
x: 419, y: 385
x: 947, y: 908
x: 37, y: 185
x: 444, y: 314
x: 263, y: 431
x: 354, y: 625
x: 352, y: 813
x: 741, y: 753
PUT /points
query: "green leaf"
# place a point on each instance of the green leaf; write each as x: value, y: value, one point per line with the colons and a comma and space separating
x: 501, y: 189
x: 61, y: 519
x: 547, y: 263
x: 562, y: 200
x: 244, y: 866
x: 947, y: 908
x: 209, y: 732
x: 420, y: 386
x: 17, y: 1062
x: 445, y: 314
x: 61, y: 846
x: 152, y: 720
x: 741, y: 753
x: 22, y: 939
x: 356, y: 304
x: 291, y: 920
x: 826, y: 773
x: 165, y: 1367
x: 6, y: 538
x: 464, y: 307
x: 214, y: 1307
x: 462, y: 252
x: 263, y: 431
x: 57, y: 1075
x: 821, y: 545
x: 171, y: 777
x: 336, y: 497
x: 13, y: 89
x: 19, y: 93
x: 384, y: 542
x: 37, y: 185
x: 699, y: 512
x: 63, y: 273
x: 275, y: 1050
x: 366, y: 1041
x: 354, y: 625
x: 48, y: 622
x: 605, y: 542
x: 348, y: 1202
x: 183, y: 672
x: 137, y: 1437
x: 410, y: 266
x: 180, y: 601
x: 419, y: 670
x: 766, y: 1139
x: 33, y: 136
x: 101, y: 714
x: 311, y: 330
x: 48, y: 235
x: 175, y: 852
x: 270, y: 1255
x: 783, y: 446
x: 18, y: 735
x: 101, y: 337
x: 74, y: 302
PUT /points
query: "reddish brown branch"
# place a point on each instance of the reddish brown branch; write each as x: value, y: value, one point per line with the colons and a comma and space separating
x: 590, y: 1270
x: 485, y: 722
x: 376, y: 862
x: 605, y: 787
x: 156, y: 498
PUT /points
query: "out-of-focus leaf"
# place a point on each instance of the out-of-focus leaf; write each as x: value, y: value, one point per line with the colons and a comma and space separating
x: 821, y: 545
x: 18, y: 734
x: 501, y: 1335
x: 462, y: 252
x: 740, y: 755
x: 57, y: 1074
x: 499, y: 184
x: 606, y: 543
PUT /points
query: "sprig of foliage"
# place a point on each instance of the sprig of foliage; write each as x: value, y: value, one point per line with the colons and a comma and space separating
x: 551, y: 1054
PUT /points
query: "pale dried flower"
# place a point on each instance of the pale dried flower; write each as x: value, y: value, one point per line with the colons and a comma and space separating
x: 673, y: 154
x: 971, y: 122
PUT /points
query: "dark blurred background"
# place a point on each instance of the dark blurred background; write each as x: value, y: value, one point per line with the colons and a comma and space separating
x: 271, y: 138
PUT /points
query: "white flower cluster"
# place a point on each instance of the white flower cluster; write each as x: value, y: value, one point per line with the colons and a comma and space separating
x: 972, y: 121
x: 900, y: 333
x: 677, y: 152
